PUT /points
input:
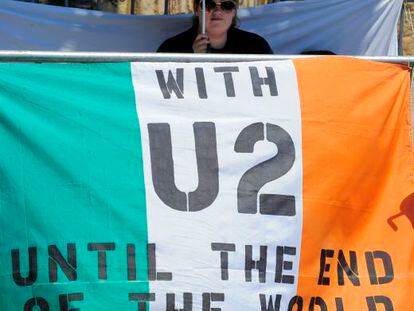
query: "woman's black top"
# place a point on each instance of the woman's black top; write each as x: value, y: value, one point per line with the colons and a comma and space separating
x: 238, y: 42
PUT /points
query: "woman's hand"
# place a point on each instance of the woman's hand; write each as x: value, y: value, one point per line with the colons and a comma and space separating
x: 200, y: 44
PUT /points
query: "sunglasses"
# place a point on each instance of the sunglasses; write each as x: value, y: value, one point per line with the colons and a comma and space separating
x: 224, y: 5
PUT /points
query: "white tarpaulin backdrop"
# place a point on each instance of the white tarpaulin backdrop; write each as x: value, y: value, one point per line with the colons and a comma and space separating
x: 348, y: 27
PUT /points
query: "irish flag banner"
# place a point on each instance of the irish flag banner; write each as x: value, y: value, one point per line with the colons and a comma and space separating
x: 269, y: 186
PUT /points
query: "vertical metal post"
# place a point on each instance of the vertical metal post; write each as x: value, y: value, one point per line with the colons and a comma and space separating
x: 66, y: 3
x: 203, y: 20
x: 133, y: 7
x: 166, y: 7
x: 401, y: 30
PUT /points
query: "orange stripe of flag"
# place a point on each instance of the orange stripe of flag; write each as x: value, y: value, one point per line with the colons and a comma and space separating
x: 357, y: 175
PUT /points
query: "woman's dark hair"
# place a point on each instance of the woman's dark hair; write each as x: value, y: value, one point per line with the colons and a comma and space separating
x: 235, y: 23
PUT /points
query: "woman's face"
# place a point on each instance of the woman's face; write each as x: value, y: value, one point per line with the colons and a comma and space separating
x: 219, y: 15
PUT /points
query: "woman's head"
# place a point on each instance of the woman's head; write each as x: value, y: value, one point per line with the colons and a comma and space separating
x: 220, y: 14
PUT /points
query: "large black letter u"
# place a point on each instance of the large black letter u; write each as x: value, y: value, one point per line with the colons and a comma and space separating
x: 162, y: 166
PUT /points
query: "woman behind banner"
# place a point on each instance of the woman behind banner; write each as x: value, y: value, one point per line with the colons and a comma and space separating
x: 222, y: 34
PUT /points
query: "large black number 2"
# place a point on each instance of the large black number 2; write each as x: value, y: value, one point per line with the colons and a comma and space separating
x: 256, y: 177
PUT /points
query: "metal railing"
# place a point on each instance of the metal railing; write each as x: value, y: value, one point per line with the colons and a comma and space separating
x: 104, y: 57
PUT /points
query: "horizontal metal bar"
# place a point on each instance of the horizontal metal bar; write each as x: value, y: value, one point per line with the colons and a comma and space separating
x: 104, y: 57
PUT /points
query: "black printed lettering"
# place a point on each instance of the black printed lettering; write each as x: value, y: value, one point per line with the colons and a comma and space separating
x: 251, y: 264
x: 173, y: 84
x: 162, y: 166
x: 228, y: 78
x: 68, y: 266
x: 386, y: 261
x: 318, y: 301
x: 373, y: 302
x: 131, y: 263
x: 187, y: 302
x: 339, y: 304
x: 258, y: 82
x: 30, y: 279
x: 142, y: 299
x: 101, y: 248
x: 269, y: 305
x: 153, y: 275
x: 351, y: 269
x: 201, y: 82
x: 224, y: 249
x: 66, y: 298
x: 282, y: 265
x: 256, y: 177
x: 207, y: 298
x: 324, y: 266
x: 296, y: 303
x: 36, y: 303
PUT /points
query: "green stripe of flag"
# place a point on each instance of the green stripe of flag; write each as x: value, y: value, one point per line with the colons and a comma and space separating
x: 71, y: 171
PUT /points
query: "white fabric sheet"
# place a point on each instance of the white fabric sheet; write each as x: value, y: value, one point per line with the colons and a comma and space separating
x: 347, y: 27
x: 184, y: 239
